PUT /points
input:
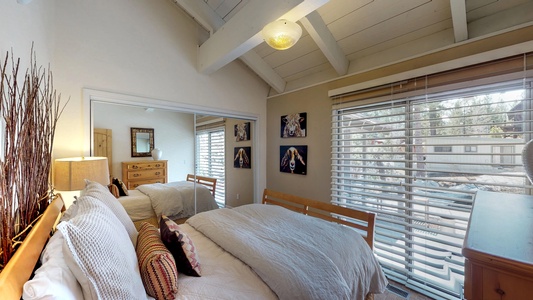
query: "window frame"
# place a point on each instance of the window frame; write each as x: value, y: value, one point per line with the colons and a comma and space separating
x: 411, y: 160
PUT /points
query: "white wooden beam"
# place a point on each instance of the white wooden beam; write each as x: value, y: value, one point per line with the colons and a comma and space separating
x: 261, y: 68
x: 201, y: 13
x: 320, y: 33
x: 204, y: 14
x: 460, y: 25
x: 243, y: 31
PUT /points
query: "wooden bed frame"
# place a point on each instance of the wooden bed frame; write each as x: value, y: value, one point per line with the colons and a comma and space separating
x: 364, y: 222
x: 20, y: 268
x: 210, y: 183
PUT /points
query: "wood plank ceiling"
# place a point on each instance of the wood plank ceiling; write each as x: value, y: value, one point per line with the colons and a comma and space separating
x: 342, y: 37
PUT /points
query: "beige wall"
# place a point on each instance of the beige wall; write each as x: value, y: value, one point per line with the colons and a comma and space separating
x: 173, y: 135
x: 316, y: 102
x: 238, y: 181
x: 315, y: 184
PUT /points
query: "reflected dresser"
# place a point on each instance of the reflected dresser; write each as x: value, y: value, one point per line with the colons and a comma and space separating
x: 135, y: 173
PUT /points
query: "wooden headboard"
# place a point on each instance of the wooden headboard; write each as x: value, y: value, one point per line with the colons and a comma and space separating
x: 19, y: 269
x: 363, y: 221
x: 210, y: 183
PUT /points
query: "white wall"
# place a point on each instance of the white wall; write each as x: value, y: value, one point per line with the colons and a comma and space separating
x: 135, y: 47
x: 173, y: 134
x: 24, y: 24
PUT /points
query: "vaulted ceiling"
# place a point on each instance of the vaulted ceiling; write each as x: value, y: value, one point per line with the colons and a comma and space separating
x: 342, y: 37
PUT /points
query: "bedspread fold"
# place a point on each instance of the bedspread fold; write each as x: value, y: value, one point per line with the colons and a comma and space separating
x: 165, y: 199
x: 297, y: 256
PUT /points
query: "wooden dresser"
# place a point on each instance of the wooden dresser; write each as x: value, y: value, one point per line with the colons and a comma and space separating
x: 498, y: 247
x: 135, y: 173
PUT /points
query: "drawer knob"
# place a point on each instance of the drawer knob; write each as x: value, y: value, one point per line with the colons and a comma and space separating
x: 134, y: 167
x: 157, y: 173
x: 136, y: 175
x: 500, y: 291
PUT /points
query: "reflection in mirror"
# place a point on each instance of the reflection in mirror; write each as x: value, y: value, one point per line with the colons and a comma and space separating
x: 142, y: 142
x: 179, y: 135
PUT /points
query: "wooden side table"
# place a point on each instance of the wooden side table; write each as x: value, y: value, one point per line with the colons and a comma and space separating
x: 498, y: 247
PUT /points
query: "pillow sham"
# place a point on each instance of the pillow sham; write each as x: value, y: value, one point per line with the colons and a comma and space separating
x: 53, y: 280
x: 122, y: 189
x: 100, y: 192
x: 156, y: 264
x: 99, y: 253
x: 71, y: 212
x: 181, y: 247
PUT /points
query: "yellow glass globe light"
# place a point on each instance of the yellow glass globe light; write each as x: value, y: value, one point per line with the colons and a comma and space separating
x: 281, y: 34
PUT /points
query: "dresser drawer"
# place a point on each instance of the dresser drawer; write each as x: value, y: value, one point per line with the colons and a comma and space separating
x: 485, y: 283
x: 147, y: 165
x: 134, y: 184
x: 145, y: 174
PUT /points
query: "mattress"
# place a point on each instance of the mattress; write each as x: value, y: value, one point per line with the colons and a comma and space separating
x: 137, y: 205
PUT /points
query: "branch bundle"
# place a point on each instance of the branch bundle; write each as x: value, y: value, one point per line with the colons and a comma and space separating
x: 30, y: 111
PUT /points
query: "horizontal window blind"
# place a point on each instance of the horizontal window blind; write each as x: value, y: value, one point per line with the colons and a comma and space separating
x: 210, y: 158
x: 418, y: 160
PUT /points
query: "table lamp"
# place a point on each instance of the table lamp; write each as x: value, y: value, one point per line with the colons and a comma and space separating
x: 70, y: 174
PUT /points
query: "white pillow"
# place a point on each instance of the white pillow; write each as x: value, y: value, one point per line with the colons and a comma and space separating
x: 103, y: 194
x: 70, y: 213
x: 100, y: 254
x: 53, y: 280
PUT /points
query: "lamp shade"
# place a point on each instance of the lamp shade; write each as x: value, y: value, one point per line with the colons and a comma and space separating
x: 70, y: 173
x: 281, y: 34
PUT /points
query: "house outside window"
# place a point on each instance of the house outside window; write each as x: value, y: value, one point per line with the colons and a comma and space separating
x: 470, y: 148
x: 443, y: 148
x: 421, y: 191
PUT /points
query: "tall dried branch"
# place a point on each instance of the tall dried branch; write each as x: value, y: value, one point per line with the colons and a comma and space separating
x: 30, y: 111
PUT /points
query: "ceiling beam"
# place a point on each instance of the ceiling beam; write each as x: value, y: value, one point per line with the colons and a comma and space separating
x: 261, y: 68
x: 208, y: 18
x: 320, y: 33
x: 243, y: 31
x: 460, y: 25
x: 201, y: 13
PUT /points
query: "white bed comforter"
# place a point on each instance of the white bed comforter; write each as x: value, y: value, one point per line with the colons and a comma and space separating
x: 176, y: 199
x: 297, y: 256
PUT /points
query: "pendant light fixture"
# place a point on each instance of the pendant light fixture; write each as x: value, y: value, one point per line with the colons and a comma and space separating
x: 281, y: 34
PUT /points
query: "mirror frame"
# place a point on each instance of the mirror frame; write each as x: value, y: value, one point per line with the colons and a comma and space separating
x: 134, y: 131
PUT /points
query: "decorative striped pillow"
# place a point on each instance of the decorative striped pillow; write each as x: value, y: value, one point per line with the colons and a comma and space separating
x: 157, y: 266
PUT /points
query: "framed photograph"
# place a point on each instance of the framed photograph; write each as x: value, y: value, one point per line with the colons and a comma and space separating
x: 243, y: 157
x: 294, y: 125
x: 242, y: 131
x: 293, y: 159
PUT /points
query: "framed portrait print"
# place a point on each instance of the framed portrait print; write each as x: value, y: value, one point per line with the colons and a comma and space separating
x: 293, y: 159
x: 294, y: 125
x: 242, y: 131
x: 242, y: 158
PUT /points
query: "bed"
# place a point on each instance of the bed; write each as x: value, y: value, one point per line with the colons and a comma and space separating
x: 175, y: 199
x: 226, y: 273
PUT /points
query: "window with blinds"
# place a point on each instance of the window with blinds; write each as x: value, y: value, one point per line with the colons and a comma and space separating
x: 417, y: 160
x: 210, y: 158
